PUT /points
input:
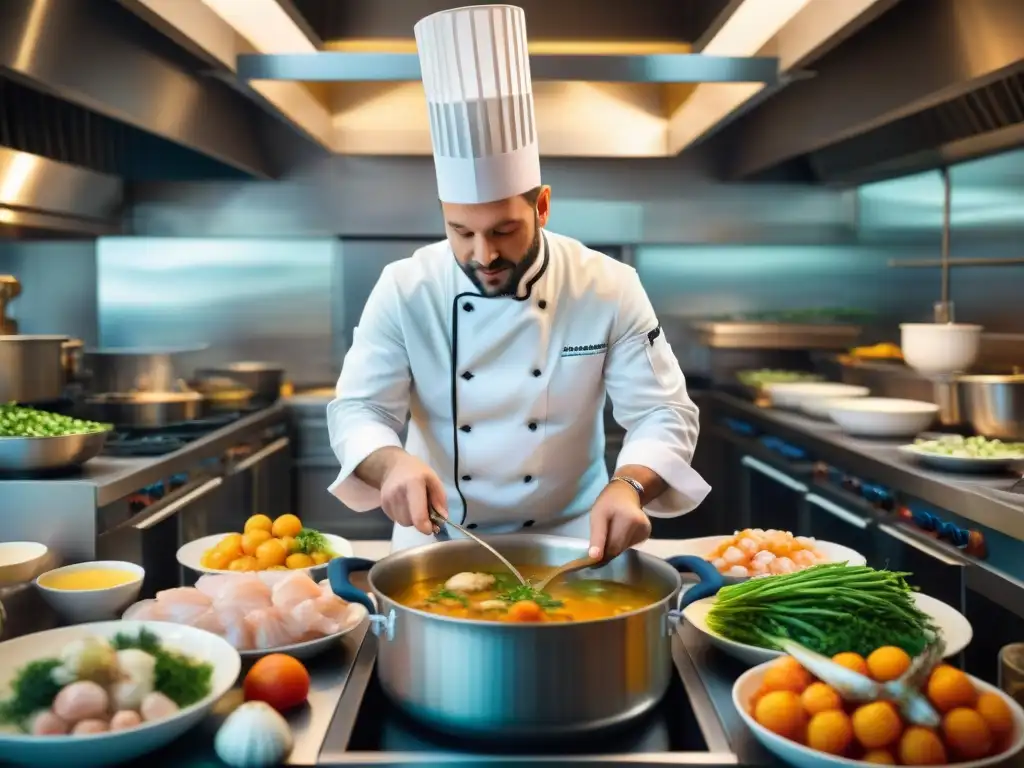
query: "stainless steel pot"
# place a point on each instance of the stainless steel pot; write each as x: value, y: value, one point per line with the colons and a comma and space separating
x: 146, y: 409
x: 32, y: 368
x: 994, y: 405
x: 522, y: 680
x: 129, y: 370
x: 264, y: 379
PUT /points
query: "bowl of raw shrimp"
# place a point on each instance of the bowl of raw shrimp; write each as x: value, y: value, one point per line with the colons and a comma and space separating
x: 756, y: 552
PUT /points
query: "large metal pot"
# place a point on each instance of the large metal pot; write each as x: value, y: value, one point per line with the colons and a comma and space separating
x: 994, y: 405
x: 130, y: 370
x: 264, y: 379
x: 147, y: 410
x: 521, y: 680
x: 32, y: 368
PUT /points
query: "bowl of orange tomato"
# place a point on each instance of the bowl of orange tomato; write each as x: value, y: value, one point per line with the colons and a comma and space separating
x: 807, y: 723
x: 281, y: 544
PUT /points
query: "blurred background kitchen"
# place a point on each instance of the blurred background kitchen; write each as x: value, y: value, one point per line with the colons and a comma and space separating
x: 159, y: 195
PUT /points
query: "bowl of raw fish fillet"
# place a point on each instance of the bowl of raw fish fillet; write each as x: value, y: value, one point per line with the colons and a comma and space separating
x: 755, y: 552
x: 258, y: 613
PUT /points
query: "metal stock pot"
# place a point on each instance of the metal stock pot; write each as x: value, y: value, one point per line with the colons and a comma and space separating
x: 522, y: 680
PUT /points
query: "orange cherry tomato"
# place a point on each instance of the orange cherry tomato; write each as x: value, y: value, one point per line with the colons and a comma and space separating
x: 278, y: 680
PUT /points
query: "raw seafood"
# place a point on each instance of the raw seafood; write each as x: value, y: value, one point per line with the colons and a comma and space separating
x: 757, y: 552
x: 264, y: 610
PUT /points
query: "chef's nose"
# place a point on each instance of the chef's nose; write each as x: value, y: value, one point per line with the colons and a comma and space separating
x: 486, y: 254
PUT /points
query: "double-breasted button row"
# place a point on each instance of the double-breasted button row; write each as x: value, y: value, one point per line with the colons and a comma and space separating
x: 469, y: 375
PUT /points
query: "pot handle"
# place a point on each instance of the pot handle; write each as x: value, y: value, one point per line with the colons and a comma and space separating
x: 710, y: 579
x: 338, y: 572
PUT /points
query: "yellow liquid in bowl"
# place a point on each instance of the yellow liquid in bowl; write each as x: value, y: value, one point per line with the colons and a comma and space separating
x: 88, y: 578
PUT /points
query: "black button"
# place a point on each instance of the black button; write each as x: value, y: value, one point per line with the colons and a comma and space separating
x: 533, y: 426
x: 465, y: 427
x: 528, y: 523
x: 468, y: 307
x: 536, y: 372
x: 466, y: 478
x: 471, y: 526
x: 467, y: 375
x: 528, y: 479
x: 542, y: 304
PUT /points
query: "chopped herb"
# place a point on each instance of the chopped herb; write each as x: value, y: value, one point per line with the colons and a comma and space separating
x: 178, y: 677
x: 33, y: 689
x: 527, y: 592
x: 309, y: 541
x: 441, y: 593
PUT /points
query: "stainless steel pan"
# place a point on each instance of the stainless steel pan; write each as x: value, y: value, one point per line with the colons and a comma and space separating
x: 994, y: 405
x: 146, y: 409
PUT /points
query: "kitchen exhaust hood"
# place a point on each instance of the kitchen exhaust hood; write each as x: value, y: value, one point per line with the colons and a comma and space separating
x: 930, y: 83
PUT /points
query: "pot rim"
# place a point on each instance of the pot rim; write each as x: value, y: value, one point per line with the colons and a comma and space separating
x: 35, y: 337
x: 992, y: 378
x: 522, y: 626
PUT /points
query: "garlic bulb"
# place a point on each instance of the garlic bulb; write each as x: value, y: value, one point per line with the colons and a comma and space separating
x: 253, y: 736
x: 138, y: 679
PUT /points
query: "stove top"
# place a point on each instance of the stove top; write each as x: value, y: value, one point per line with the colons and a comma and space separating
x: 157, y: 441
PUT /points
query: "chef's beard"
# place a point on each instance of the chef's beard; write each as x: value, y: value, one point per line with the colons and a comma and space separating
x: 516, y: 271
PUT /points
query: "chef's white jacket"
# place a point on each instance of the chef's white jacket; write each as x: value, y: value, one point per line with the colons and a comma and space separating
x: 505, y: 395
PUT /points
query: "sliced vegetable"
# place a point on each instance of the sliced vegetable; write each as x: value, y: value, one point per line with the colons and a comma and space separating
x: 961, y: 447
x: 19, y: 421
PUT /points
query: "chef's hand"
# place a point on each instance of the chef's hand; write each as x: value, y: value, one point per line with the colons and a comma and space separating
x: 617, y: 522
x: 406, y: 487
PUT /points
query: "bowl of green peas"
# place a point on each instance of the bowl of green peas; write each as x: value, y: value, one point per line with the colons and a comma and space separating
x: 32, y: 440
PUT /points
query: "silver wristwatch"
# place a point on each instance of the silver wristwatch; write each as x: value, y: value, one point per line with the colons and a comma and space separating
x: 636, y: 486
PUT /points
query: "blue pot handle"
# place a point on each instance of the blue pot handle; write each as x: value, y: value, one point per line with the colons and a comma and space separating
x: 710, y: 579
x: 339, y: 571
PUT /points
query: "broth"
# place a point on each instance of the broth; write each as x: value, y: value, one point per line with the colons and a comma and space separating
x: 88, y: 578
x: 498, y: 596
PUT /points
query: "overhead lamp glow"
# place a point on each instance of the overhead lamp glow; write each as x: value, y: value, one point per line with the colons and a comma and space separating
x: 752, y: 25
x: 265, y: 24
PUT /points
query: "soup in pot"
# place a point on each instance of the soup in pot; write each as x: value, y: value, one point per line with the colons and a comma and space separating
x: 500, y: 597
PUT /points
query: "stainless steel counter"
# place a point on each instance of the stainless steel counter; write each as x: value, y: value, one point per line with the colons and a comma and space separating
x: 985, y: 500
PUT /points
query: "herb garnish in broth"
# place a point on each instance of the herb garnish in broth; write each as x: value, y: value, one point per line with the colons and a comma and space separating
x: 441, y: 593
x: 528, y: 592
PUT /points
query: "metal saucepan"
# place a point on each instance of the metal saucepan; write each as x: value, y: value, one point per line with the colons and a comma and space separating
x: 32, y: 368
x: 223, y: 395
x: 993, y: 405
x: 146, y: 409
x: 133, y: 369
x: 522, y: 680
x: 264, y: 379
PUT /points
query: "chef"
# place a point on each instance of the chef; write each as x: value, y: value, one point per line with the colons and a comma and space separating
x: 499, y: 344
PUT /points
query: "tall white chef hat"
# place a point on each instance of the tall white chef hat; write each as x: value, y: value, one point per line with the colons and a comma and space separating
x: 476, y: 74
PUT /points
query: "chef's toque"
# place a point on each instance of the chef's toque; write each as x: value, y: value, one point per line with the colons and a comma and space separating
x: 476, y: 75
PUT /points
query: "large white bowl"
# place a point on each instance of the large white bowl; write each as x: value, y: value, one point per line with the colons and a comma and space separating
x: 191, y: 555
x: 940, y: 348
x: 21, y: 561
x: 882, y: 416
x: 956, y: 630
x: 77, y: 606
x: 794, y: 395
x: 120, y: 746
x: 748, y: 684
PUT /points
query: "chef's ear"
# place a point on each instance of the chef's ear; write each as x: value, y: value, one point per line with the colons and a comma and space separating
x: 543, y: 205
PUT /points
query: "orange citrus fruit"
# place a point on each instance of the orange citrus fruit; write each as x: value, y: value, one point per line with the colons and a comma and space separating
x: 967, y: 734
x: 252, y: 540
x: 319, y: 558
x: 299, y: 560
x: 289, y: 543
x: 920, y: 746
x: 786, y: 674
x: 270, y: 553
x: 219, y: 560
x: 243, y: 563
x: 949, y: 688
x: 286, y: 525
x: 782, y: 713
x: 231, y: 545
x: 852, y: 661
x: 820, y: 697
x: 279, y: 680
x: 879, y: 757
x: 888, y: 663
x: 876, y: 725
x: 830, y: 732
x: 997, y: 714
x: 258, y: 523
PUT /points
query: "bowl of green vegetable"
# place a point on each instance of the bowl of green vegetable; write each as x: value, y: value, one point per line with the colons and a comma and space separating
x: 108, y: 692
x: 32, y: 440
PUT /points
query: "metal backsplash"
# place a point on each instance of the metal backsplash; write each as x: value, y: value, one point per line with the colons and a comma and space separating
x: 263, y: 299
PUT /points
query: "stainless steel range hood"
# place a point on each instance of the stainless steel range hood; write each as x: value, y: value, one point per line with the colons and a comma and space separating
x: 928, y: 84
x: 41, y: 198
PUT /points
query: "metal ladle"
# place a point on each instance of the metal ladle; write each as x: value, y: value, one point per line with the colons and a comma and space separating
x: 563, y: 570
x: 441, y: 521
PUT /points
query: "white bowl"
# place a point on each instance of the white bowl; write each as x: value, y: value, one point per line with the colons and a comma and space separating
x: 120, y: 746
x: 940, y: 348
x: 191, y: 555
x: 748, y: 684
x: 883, y: 417
x: 20, y: 561
x: 956, y: 630
x: 793, y: 395
x: 77, y: 606
x: 818, y: 407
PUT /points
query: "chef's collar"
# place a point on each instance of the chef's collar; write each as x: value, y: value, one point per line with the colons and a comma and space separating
x: 526, y: 281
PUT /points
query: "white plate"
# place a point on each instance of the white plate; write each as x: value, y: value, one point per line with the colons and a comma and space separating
x: 792, y: 395
x: 790, y: 752
x: 954, y: 626
x: 310, y: 648
x: 121, y: 746
x: 964, y: 464
x: 704, y: 546
x: 191, y: 555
